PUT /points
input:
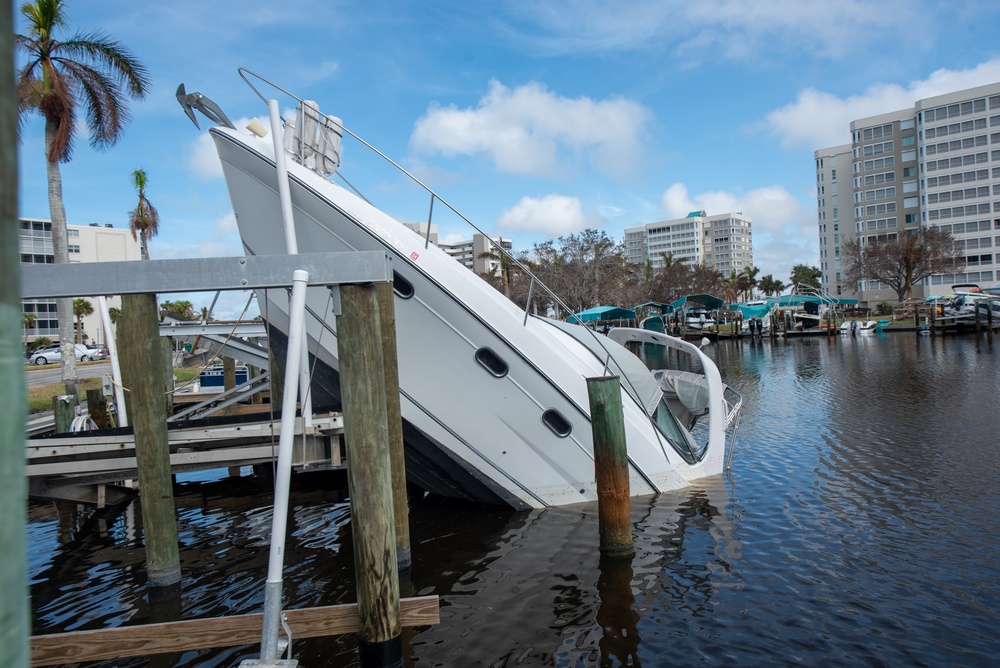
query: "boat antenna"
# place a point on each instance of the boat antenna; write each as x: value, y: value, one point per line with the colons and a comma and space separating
x: 192, y: 101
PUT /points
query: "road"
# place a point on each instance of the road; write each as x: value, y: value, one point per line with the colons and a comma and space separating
x: 51, y: 374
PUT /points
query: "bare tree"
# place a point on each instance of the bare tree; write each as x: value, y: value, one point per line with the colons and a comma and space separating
x: 902, y: 262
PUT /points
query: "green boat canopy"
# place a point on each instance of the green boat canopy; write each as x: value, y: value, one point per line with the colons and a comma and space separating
x: 705, y: 301
x: 602, y: 314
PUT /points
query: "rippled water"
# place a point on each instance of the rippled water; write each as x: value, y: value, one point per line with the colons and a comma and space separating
x: 860, y: 526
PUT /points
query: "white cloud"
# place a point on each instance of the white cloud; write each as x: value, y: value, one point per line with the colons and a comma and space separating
x: 784, y: 233
x: 817, y: 119
x: 697, y: 31
x: 553, y: 215
x: 531, y: 130
x: 203, y: 159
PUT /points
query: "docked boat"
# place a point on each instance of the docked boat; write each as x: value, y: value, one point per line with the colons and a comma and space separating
x: 863, y: 327
x: 493, y: 399
x: 970, y: 303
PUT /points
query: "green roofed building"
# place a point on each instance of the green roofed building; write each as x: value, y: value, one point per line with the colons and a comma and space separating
x: 723, y: 241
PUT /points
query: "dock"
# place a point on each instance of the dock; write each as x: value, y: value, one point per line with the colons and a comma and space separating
x: 78, y: 466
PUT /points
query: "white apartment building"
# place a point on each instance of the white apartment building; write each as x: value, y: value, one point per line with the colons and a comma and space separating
x: 723, y: 242
x: 90, y: 243
x: 474, y: 253
x: 935, y: 164
x: 478, y: 253
x: 833, y: 167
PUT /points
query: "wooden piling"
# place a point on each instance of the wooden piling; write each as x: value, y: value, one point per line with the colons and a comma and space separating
x: 369, y: 476
x: 97, y: 408
x: 989, y: 319
x: 168, y: 374
x: 63, y: 411
x: 394, y: 419
x: 611, y: 466
x: 14, y: 609
x: 142, y: 373
x: 229, y: 381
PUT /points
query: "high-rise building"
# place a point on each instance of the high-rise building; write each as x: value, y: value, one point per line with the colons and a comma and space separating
x: 723, y: 242
x: 936, y: 164
x: 833, y: 167
x: 477, y: 253
x: 91, y: 243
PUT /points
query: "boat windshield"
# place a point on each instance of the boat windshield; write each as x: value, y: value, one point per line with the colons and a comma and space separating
x: 677, y: 436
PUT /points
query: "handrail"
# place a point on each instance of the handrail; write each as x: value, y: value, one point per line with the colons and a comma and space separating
x: 434, y: 196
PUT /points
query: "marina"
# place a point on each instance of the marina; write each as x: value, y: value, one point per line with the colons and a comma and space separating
x: 857, y: 526
x: 491, y: 401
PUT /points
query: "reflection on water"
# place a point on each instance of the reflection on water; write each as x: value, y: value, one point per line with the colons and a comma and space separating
x: 859, y: 526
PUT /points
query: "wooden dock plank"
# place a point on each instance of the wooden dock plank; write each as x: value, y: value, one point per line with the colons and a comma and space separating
x: 197, y: 634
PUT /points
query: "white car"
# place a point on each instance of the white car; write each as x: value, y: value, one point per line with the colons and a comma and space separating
x: 53, y: 354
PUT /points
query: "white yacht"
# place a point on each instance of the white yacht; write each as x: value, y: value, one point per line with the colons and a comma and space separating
x: 493, y: 399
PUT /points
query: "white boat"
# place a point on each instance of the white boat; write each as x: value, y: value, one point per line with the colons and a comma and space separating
x: 970, y: 302
x: 863, y: 327
x: 494, y: 401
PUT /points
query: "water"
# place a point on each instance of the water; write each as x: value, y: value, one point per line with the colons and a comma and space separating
x: 860, y: 526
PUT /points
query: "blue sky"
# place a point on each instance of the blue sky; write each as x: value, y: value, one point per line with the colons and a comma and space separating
x: 535, y: 119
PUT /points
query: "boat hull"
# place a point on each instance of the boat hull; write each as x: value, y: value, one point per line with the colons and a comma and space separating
x: 469, y: 431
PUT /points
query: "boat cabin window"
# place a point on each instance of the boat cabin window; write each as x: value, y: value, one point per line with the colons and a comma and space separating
x: 559, y: 425
x: 677, y: 436
x: 401, y: 286
x: 492, y: 362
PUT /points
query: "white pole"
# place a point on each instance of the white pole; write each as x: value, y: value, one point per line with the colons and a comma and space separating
x: 283, y: 475
x: 291, y: 243
x: 116, y: 370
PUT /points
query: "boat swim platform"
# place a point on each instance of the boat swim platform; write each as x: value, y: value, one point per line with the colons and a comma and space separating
x: 76, y: 466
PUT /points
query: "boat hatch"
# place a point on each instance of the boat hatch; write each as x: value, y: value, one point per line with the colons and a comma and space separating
x: 492, y: 362
x: 555, y: 421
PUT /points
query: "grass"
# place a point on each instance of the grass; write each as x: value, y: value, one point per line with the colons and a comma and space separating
x: 40, y: 398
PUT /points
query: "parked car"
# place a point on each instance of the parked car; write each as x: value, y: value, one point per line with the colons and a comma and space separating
x: 98, y: 352
x: 53, y: 354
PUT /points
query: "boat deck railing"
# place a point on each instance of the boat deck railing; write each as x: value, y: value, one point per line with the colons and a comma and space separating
x: 557, y: 303
x: 500, y: 251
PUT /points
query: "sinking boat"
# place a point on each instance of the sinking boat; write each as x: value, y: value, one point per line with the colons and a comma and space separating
x: 493, y: 399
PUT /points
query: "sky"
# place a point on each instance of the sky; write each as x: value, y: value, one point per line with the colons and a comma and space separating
x: 535, y: 119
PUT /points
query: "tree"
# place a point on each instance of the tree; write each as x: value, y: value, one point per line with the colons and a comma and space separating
x: 81, y: 308
x: 182, y: 309
x: 770, y: 286
x: 803, y: 274
x: 748, y: 281
x: 731, y: 286
x: 501, y: 257
x: 113, y: 314
x: 144, y: 219
x: 89, y: 69
x: 585, y: 269
x: 902, y: 262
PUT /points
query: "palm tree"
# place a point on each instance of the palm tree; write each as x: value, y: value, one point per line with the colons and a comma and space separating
x: 497, y: 255
x: 81, y: 308
x: 749, y: 281
x: 144, y: 219
x: 731, y: 286
x: 58, y: 76
x: 29, y: 320
x: 769, y: 285
x: 113, y: 314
